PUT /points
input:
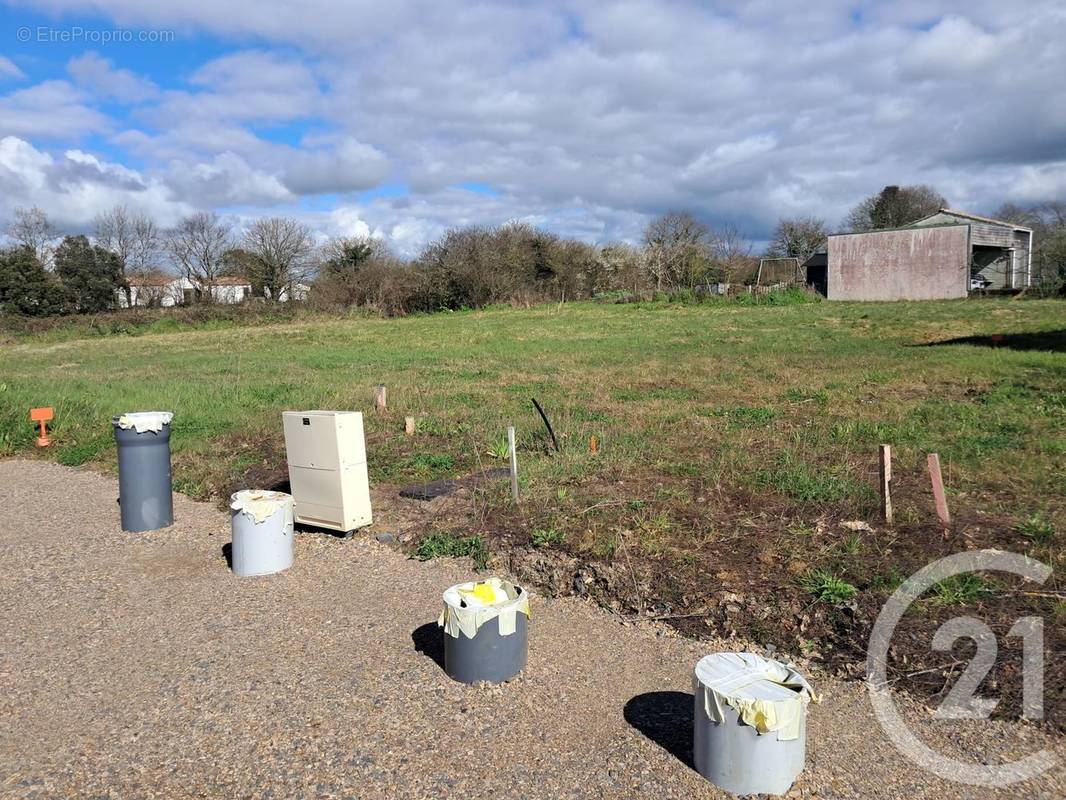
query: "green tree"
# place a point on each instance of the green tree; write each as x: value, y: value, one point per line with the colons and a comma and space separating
x: 894, y: 207
x: 91, y: 275
x: 25, y: 286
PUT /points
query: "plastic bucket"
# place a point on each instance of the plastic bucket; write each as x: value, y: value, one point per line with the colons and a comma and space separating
x: 262, y: 528
x: 146, y: 501
x: 497, y: 649
x: 733, y: 753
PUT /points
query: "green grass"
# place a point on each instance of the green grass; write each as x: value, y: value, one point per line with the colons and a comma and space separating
x: 962, y: 589
x: 441, y: 545
x: 1036, y: 529
x: 828, y: 587
x: 714, y: 420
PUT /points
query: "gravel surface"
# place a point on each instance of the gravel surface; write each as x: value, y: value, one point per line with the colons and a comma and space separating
x: 137, y: 665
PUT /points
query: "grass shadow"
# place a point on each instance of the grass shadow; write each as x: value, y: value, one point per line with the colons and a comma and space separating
x: 1052, y: 341
x: 666, y: 718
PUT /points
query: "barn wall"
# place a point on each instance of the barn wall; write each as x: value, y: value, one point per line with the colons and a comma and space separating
x: 982, y: 233
x: 910, y: 264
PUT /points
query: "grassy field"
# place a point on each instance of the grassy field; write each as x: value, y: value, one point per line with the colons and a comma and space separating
x: 733, y: 439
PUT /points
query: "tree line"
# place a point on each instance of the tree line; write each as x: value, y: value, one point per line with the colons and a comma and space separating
x: 42, y: 273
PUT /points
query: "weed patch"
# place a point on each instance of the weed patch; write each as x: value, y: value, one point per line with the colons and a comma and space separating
x: 828, y: 587
x: 448, y: 545
x: 549, y: 537
x: 961, y: 590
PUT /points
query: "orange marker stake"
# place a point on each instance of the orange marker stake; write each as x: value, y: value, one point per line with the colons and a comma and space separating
x: 594, y: 446
x: 42, y: 416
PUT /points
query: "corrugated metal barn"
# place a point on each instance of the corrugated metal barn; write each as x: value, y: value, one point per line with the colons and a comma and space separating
x: 945, y: 255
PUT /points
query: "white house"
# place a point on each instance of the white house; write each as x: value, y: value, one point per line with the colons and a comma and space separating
x: 297, y: 291
x: 151, y: 290
x: 157, y: 289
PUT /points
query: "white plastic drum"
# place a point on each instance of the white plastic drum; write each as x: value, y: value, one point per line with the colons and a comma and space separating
x: 262, y: 532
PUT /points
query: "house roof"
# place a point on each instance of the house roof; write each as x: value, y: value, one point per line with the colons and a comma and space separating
x: 152, y: 278
x: 976, y: 218
x: 230, y: 280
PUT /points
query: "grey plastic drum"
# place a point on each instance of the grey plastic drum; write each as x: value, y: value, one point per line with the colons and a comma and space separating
x: 488, y: 656
x: 734, y: 756
x: 144, y: 483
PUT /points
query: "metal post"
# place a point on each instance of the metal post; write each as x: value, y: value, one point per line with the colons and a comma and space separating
x: 514, y: 462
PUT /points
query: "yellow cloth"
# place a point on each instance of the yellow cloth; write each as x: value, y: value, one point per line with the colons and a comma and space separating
x: 767, y: 695
x: 465, y: 609
x: 484, y: 593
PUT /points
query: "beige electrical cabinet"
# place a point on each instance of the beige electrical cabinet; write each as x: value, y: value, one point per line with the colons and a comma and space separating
x: 327, y: 468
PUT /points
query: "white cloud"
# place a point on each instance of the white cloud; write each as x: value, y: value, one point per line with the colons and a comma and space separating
x: 75, y: 186
x: 9, y: 71
x: 583, y: 115
x: 344, y: 166
x: 226, y: 180
x: 50, y: 110
x: 98, y: 74
x: 957, y: 47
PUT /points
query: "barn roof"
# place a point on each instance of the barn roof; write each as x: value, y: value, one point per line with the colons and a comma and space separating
x: 976, y: 218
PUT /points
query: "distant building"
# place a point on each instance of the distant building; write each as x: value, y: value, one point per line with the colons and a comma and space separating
x: 158, y: 290
x: 945, y: 255
x: 294, y: 291
x: 152, y: 289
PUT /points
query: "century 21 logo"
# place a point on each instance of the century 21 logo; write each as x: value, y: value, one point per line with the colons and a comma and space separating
x: 962, y: 702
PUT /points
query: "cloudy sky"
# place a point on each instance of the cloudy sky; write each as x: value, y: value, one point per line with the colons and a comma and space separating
x: 402, y: 119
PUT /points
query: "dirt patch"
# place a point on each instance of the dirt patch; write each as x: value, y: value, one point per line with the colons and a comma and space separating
x: 751, y: 585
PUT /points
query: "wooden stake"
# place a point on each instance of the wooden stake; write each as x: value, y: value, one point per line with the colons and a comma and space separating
x: 938, y: 490
x: 886, y: 482
x: 594, y: 446
x: 514, y: 462
x: 379, y: 399
x: 409, y: 426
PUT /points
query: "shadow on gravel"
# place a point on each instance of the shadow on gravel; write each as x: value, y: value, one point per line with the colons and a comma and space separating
x: 665, y: 718
x: 429, y: 642
x: 227, y: 553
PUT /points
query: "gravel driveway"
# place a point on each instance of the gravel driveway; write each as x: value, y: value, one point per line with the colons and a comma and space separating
x: 137, y: 665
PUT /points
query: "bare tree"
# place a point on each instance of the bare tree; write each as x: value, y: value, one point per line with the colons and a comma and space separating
x: 133, y: 237
x: 281, y: 250
x: 679, y: 249
x: 1048, y: 258
x: 198, y: 246
x: 30, y: 227
x: 798, y: 237
x: 893, y: 207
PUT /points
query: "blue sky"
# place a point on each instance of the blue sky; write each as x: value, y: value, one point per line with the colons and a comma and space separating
x: 587, y: 118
